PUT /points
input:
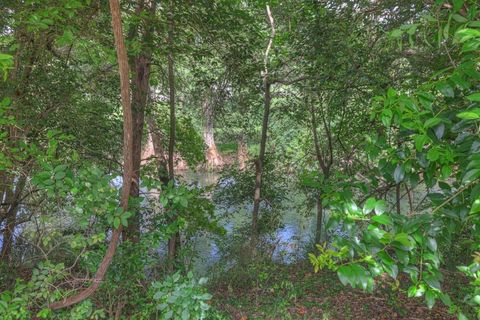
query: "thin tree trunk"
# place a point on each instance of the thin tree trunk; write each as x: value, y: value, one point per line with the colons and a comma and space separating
x: 322, y: 167
x: 174, y: 241
x: 410, y: 198
x: 263, y: 139
x: 127, y: 158
x: 318, y: 231
x: 397, y: 197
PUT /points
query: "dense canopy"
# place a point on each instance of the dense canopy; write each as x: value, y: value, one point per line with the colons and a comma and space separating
x: 236, y: 159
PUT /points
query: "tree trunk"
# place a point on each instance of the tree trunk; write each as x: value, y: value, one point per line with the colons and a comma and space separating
x: 174, y: 241
x: 263, y: 139
x: 318, y: 231
x: 323, y: 167
x: 212, y: 155
x: 127, y: 159
x: 140, y: 93
x: 242, y: 152
x: 159, y: 152
x: 397, y: 198
x: 12, y: 201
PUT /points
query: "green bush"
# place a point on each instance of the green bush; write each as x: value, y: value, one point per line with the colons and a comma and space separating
x: 180, y: 297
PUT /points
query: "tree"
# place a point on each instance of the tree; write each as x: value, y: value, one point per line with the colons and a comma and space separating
x: 127, y: 158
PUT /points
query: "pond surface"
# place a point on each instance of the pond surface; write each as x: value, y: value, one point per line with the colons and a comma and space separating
x: 297, y: 229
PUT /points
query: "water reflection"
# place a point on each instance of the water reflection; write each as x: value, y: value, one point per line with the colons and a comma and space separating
x: 289, y: 240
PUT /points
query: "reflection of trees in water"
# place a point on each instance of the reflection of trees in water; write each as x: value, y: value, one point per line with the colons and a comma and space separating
x: 288, y: 242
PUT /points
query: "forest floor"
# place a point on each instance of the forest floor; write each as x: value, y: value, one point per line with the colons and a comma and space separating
x: 295, y: 292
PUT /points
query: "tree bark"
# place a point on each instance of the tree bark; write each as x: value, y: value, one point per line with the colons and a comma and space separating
x: 127, y: 158
x: 263, y: 139
x: 140, y: 92
x: 318, y: 231
x: 242, y: 152
x: 12, y: 201
x: 323, y: 166
x: 174, y: 241
x: 397, y: 198
x: 212, y: 155
x: 159, y: 152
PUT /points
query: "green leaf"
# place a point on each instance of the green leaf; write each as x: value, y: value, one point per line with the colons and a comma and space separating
x: 380, y: 207
x: 403, y: 239
x: 461, y: 316
x: 369, y: 205
x: 60, y: 175
x: 431, y: 122
x: 433, y: 154
x: 386, y: 117
x: 399, y: 174
x: 116, y: 222
x: 475, y: 206
x: 420, y: 141
x: 396, y: 33
x: 459, y: 18
x: 475, y: 97
x: 457, y: 5
x: 185, y: 314
x: 471, y: 175
x: 383, y: 219
x: 467, y: 115
x: 124, y: 221
x: 446, y: 171
x: 353, y: 274
x: 432, y: 244
x: 430, y: 298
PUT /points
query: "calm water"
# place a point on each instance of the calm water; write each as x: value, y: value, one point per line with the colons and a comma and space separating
x: 290, y: 239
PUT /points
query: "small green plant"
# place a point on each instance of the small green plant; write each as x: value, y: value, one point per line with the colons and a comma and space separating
x: 180, y: 297
x: 473, y: 297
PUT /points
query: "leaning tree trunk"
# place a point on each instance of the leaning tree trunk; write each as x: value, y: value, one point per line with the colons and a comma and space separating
x: 263, y: 139
x: 127, y: 160
x: 212, y: 155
